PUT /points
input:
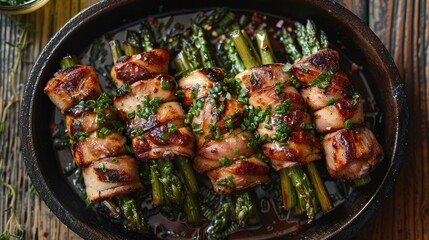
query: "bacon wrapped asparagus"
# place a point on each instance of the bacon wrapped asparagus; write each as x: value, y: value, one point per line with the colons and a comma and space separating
x: 223, y: 151
x: 96, y: 141
x: 146, y: 101
x: 350, y: 149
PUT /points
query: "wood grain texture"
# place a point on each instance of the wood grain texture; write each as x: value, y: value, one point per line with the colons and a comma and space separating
x: 403, y: 26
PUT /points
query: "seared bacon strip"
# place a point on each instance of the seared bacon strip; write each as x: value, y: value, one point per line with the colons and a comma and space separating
x: 130, y: 69
x: 71, y: 85
x: 110, y: 177
x: 351, y: 153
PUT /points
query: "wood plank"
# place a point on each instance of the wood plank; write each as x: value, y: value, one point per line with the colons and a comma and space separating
x: 358, y: 7
x: 401, y: 25
x: 403, y: 28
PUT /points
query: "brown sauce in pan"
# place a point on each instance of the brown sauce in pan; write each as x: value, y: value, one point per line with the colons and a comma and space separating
x: 273, y: 222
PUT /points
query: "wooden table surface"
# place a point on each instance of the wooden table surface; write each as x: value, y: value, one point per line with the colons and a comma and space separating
x: 403, y: 26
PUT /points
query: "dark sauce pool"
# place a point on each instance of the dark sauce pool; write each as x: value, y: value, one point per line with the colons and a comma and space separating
x: 275, y: 222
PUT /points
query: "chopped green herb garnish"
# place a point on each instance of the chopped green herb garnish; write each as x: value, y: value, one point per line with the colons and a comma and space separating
x: 101, y: 133
x: 131, y: 115
x: 180, y: 93
x: 129, y: 149
x: 150, y: 107
x: 309, y: 126
x: 283, y: 108
x: 348, y: 124
x: 294, y: 82
x: 287, y: 67
x: 279, y: 87
x: 355, y: 99
x: 226, y: 181
x: 236, y: 151
x: 102, y: 167
x: 81, y: 136
x: 172, y: 128
x: 323, y: 80
x: 224, y: 161
x: 304, y: 67
x: 164, y: 136
x: 332, y: 101
x: 195, y: 90
x: 114, y: 160
x: 220, y: 109
x: 165, y: 84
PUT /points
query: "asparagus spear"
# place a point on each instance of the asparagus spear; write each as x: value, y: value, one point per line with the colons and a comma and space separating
x: 288, y: 190
x: 157, y: 189
x: 147, y: 39
x: 116, y: 50
x: 201, y: 44
x: 313, y: 42
x: 221, y: 223
x: 301, y: 35
x: 304, y: 189
x: 133, y: 38
x: 363, y: 180
x: 245, y: 48
x: 131, y: 213
x: 234, y: 57
x: 187, y: 172
x: 264, y: 46
x: 289, y: 45
x: 246, y: 212
x: 319, y: 186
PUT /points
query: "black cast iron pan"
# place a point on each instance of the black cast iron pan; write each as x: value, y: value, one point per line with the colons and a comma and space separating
x: 361, y: 45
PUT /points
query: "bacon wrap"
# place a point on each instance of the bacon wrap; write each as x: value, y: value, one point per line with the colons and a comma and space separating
x: 240, y: 164
x: 349, y: 153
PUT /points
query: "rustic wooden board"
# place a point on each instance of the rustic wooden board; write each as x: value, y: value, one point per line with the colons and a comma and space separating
x: 403, y: 26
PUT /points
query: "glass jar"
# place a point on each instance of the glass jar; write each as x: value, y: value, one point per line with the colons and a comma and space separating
x: 30, y: 6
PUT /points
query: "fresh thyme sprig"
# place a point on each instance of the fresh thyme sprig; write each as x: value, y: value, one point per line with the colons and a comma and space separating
x: 20, y: 46
x: 12, y: 228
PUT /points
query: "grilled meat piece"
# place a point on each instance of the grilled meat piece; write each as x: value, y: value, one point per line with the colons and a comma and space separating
x: 286, y: 143
x: 351, y: 153
x: 231, y: 146
x: 334, y: 117
x: 93, y: 148
x: 338, y: 89
x: 257, y: 78
x: 145, y: 90
x: 196, y: 84
x: 110, y: 177
x: 301, y: 147
x: 307, y: 69
x: 97, y: 147
x: 130, y: 69
x: 71, y: 85
x: 159, y: 142
x: 240, y: 175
